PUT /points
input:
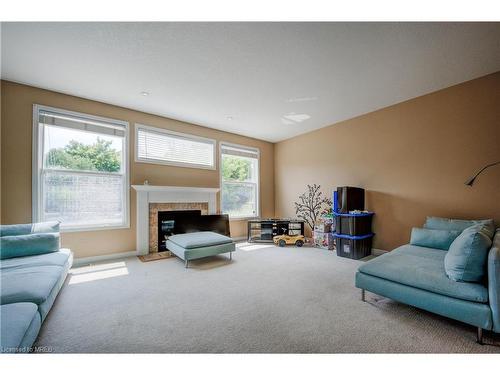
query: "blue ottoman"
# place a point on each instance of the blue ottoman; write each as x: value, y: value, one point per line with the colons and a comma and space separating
x: 189, y: 246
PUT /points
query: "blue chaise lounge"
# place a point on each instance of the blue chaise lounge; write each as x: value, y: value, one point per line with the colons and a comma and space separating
x: 33, y: 268
x: 422, y: 276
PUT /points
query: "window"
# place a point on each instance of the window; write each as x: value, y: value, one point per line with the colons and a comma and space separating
x: 160, y: 146
x: 239, y: 180
x: 80, y: 170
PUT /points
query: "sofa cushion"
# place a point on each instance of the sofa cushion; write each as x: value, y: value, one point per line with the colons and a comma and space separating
x: 29, y: 284
x: 28, y: 244
x: 433, y: 238
x: 199, y: 239
x: 57, y: 258
x: 20, y: 324
x: 422, y: 268
x: 466, y: 258
x: 456, y: 224
x: 475, y: 314
x: 19, y: 229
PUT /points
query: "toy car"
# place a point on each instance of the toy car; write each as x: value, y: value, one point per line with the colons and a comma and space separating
x: 284, y: 239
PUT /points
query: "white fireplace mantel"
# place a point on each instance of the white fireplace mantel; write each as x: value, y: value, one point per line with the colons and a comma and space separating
x: 147, y: 194
x: 174, y: 188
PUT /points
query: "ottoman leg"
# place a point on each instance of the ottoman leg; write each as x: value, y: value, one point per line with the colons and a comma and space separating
x: 186, y: 263
x: 230, y: 255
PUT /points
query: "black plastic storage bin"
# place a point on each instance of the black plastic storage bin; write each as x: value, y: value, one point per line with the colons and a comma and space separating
x: 354, y: 247
x: 353, y: 224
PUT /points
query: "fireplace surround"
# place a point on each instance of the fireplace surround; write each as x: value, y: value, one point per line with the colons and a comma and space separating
x: 156, y: 208
x: 173, y: 197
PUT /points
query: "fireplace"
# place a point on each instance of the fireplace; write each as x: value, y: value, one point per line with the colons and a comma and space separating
x: 153, y: 198
x: 188, y: 221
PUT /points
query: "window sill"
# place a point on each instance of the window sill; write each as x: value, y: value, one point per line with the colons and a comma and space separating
x: 94, y: 229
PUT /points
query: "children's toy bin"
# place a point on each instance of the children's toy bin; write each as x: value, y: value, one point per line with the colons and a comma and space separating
x: 354, y: 247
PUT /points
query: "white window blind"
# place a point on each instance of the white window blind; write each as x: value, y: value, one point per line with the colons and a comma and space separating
x: 239, y: 181
x: 80, y: 170
x: 160, y: 146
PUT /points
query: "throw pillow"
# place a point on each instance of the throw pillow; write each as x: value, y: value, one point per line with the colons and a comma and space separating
x: 434, y: 238
x: 18, y: 229
x: 28, y: 244
x: 466, y: 258
x: 457, y: 224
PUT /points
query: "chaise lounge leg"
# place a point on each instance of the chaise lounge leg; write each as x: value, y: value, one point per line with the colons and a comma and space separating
x: 480, y: 336
x: 186, y: 263
x: 230, y: 255
x: 363, y: 295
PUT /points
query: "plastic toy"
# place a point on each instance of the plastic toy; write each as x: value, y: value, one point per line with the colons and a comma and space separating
x: 284, y: 239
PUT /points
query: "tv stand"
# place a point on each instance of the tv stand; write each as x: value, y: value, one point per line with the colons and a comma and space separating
x: 263, y: 230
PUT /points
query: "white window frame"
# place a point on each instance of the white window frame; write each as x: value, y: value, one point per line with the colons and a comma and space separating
x: 37, y: 161
x: 190, y: 137
x: 252, y: 149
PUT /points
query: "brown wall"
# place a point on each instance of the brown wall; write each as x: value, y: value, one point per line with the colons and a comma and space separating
x: 412, y: 158
x: 16, y: 117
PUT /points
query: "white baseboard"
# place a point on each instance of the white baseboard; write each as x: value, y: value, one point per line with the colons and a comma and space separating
x: 99, y: 258
x: 378, y: 251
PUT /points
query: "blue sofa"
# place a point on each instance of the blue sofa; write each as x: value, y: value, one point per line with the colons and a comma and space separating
x: 32, y: 272
x: 415, y: 275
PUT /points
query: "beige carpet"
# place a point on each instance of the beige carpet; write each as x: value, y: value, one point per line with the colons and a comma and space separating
x: 268, y: 299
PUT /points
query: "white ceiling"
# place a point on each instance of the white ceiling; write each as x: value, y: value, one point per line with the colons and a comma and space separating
x: 269, y: 81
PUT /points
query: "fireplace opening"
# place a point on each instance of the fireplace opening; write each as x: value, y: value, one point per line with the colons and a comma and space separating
x: 188, y: 221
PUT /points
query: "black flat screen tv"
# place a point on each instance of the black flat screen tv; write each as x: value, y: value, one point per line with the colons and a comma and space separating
x: 188, y: 221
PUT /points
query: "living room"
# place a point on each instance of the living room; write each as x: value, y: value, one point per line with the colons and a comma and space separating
x: 244, y: 187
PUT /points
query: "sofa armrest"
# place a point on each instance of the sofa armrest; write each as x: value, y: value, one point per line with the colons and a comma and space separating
x: 494, y: 281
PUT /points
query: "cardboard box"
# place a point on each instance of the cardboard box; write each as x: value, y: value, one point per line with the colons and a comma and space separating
x: 324, y: 240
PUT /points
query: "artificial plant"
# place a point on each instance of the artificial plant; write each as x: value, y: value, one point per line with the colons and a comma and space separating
x: 312, y: 204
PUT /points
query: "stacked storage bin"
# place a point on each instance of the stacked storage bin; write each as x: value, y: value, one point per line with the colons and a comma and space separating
x: 353, y: 232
